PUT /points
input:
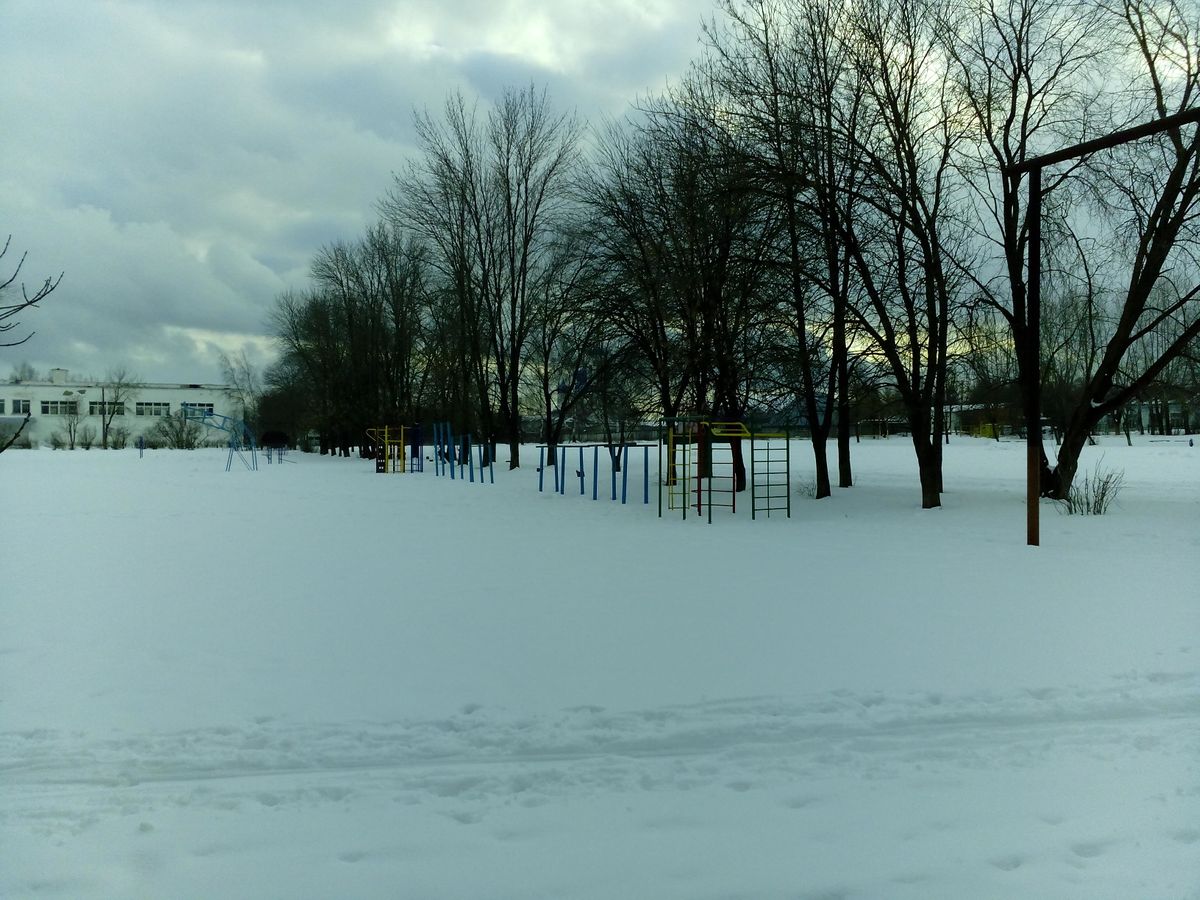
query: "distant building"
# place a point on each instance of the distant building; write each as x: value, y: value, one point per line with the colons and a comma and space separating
x: 63, y: 401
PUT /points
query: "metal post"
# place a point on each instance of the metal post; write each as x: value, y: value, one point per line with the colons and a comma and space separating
x: 1033, y: 342
x: 645, y: 474
x: 624, y: 472
x: 581, y: 484
x: 753, y: 484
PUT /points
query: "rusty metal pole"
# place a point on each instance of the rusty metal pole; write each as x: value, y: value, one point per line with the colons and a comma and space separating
x: 1033, y: 348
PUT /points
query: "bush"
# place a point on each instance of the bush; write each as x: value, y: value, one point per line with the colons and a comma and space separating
x: 177, y: 432
x: 118, y: 437
x: 87, y: 437
x: 58, y: 440
x: 1094, y: 492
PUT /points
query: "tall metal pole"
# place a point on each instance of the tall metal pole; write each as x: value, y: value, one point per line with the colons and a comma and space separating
x: 1033, y: 348
x: 1034, y: 165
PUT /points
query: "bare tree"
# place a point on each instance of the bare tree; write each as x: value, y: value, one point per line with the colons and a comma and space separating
x: 490, y: 198
x: 792, y: 92
x: 1028, y: 74
x: 9, y: 310
x: 29, y: 297
x: 440, y: 199
x: 907, y: 235
x: 1150, y: 192
x: 243, y: 384
x: 116, y: 391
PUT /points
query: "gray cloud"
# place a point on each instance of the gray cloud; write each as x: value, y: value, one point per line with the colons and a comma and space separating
x: 183, y: 160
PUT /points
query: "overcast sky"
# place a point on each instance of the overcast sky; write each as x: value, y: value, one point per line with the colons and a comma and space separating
x: 182, y: 160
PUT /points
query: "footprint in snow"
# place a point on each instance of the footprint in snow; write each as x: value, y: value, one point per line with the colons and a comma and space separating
x: 1089, y: 850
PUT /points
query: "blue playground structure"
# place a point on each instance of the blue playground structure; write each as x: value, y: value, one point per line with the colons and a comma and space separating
x: 240, y: 437
x: 456, y: 457
x: 559, y: 468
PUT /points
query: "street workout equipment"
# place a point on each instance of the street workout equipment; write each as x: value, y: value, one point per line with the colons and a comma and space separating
x: 612, y: 452
x: 391, y: 443
x: 401, y: 448
x: 458, y: 459
x: 239, y: 437
x: 698, y: 467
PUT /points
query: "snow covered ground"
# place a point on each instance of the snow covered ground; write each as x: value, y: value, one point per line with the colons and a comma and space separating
x: 312, y: 681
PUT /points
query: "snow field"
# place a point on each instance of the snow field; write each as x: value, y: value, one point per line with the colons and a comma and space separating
x: 315, y: 681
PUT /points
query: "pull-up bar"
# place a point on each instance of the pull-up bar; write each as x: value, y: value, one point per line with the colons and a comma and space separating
x: 1033, y: 306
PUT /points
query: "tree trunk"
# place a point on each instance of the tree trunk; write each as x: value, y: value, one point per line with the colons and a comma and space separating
x: 1056, y: 482
x: 821, y: 465
x: 739, y: 464
x: 929, y: 465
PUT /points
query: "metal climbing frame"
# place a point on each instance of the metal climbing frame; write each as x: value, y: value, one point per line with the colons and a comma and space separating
x: 696, y: 464
x: 391, y: 442
x: 770, y: 473
x: 697, y: 467
x: 240, y: 437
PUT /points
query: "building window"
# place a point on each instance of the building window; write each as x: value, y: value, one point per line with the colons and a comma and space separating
x: 152, y: 409
x: 20, y: 407
x: 103, y: 408
x: 60, y: 407
x: 198, y: 409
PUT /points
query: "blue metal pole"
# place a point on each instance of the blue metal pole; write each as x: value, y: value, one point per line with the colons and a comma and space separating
x: 612, y: 465
x: 595, y: 468
x: 562, y: 464
x: 624, y: 472
x: 581, y: 471
x: 646, y: 475
x: 541, y: 468
x: 450, y: 449
x: 471, y: 460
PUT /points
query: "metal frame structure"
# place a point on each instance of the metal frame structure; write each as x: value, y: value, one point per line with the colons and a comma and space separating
x: 394, y: 443
x: 691, y: 472
x: 240, y: 437
x: 1033, y: 307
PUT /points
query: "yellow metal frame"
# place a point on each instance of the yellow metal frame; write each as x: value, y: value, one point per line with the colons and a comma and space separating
x: 392, y: 441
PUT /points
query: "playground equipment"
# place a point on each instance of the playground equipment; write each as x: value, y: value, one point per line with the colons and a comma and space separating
x: 458, y: 459
x: 401, y: 448
x: 391, y: 443
x: 770, y: 473
x: 698, y: 467
x: 240, y: 437
x: 560, y: 469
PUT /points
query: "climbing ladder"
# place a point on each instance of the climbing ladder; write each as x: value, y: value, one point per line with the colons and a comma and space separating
x: 770, y: 474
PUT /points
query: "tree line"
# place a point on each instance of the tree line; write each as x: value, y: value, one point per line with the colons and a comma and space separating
x: 820, y: 218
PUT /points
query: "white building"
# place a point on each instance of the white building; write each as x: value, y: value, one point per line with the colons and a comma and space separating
x: 61, y: 402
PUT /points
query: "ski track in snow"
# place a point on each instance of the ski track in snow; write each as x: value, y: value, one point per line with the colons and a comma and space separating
x: 488, y: 757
